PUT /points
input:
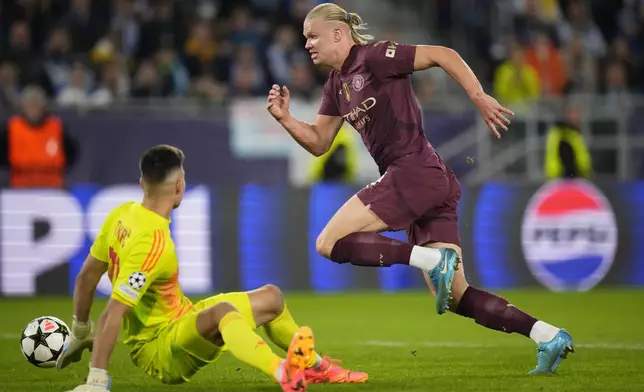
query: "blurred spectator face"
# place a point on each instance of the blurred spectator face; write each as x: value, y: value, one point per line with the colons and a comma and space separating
x: 163, y: 11
x: 615, y: 76
x: 573, y: 115
x: 240, y: 19
x: 202, y: 33
x: 576, y: 47
x: 7, y: 75
x: 34, y: 102
x: 78, y: 76
x: 301, y: 75
x: 125, y: 8
x: 542, y: 46
x: 517, y: 56
x: 147, y: 74
x: 59, y: 41
x: 621, y: 49
x: 576, y: 11
x: 285, y: 36
x: 20, y: 36
x: 165, y: 56
x: 244, y: 81
x: 81, y: 7
x: 246, y: 55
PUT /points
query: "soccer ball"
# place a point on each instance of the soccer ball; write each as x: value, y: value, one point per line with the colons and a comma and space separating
x: 42, y: 341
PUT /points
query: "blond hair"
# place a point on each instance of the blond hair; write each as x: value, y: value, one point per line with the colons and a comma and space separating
x: 333, y: 12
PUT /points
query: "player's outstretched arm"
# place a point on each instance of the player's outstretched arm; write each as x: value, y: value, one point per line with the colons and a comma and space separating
x: 98, y: 379
x: 315, y: 138
x: 428, y: 56
x: 82, y: 333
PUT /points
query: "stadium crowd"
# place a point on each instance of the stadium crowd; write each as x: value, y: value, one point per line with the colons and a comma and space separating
x: 92, y: 53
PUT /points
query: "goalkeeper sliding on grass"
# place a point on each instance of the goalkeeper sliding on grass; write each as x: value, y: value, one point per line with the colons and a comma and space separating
x: 169, y: 337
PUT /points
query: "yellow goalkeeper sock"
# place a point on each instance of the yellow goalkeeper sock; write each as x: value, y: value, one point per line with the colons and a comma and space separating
x: 246, y: 345
x: 281, y: 331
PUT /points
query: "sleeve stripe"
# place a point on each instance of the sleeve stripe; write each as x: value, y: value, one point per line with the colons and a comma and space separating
x: 151, y: 252
x: 158, y: 246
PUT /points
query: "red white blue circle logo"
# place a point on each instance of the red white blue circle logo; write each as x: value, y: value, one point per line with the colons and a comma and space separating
x: 569, y: 235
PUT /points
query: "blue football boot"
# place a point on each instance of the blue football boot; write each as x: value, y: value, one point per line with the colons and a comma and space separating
x: 550, y: 354
x: 442, y: 277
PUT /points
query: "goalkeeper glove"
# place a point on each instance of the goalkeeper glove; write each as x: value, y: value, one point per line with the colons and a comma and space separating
x: 97, y: 381
x: 80, y: 339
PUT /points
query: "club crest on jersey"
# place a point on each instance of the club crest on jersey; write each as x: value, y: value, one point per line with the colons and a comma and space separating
x: 357, y: 83
x: 347, y: 93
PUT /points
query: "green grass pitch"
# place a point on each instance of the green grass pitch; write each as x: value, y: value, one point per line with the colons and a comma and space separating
x: 397, y: 339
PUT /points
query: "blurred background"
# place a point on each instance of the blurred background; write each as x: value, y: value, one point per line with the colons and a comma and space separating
x: 86, y: 86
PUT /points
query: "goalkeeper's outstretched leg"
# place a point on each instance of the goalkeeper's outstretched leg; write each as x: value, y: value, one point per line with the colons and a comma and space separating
x: 223, y: 324
x: 270, y: 312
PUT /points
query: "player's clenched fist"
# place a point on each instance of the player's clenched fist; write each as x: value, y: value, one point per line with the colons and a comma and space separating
x: 278, y: 102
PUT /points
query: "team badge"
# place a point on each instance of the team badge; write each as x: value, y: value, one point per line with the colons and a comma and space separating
x: 137, y: 280
x: 357, y: 83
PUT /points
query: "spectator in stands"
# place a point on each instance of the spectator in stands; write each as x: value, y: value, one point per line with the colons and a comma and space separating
x: 146, y: 82
x: 58, y: 58
x: 200, y: 49
x: 77, y: 92
x: 280, y: 53
x: 113, y: 86
x: 35, y: 146
x: 545, y: 58
x: 579, y: 21
x: 26, y: 59
x: 247, y: 75
x: 581, y: 67
x: 9, y: 89
x: 173, y: 75
x: 302, y: 84
x: 616, y: 88
x: 85, y: 26
x: 567, y: 154
x: 516, y: 83
x: 126, y: 23
x: 164, y: 25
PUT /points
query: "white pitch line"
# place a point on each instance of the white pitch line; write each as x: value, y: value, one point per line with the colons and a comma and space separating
x: 592, y: 346
x: 447, y: 344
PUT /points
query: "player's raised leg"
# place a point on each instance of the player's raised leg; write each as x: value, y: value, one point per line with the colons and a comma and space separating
x: 495, y: 312
x: 352, y: 236
x: 270, y: 311
x: 224, y: 324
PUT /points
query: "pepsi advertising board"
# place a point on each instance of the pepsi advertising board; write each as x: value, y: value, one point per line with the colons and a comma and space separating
x: 569, y: 235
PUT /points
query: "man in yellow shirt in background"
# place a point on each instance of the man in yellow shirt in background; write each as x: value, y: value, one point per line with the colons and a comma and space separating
x: 170, y: 338
x: 516, y: 83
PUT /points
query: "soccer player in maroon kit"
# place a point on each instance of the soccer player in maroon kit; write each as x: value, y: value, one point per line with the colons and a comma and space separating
x: 370, y: 87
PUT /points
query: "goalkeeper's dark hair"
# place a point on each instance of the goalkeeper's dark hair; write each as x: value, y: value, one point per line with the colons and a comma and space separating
x: 158, y: 162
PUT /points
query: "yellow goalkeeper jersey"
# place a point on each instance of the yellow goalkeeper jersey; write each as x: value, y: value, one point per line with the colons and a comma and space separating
x: 143, y: 269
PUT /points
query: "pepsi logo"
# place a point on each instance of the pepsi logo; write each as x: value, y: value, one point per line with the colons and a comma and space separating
x: 569, y: 235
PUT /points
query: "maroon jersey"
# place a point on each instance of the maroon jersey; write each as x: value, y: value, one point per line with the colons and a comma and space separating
x: 373, y: 93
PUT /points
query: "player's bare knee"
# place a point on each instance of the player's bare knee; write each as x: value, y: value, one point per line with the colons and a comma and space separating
x: 267, y: 303
x: 274, y: 299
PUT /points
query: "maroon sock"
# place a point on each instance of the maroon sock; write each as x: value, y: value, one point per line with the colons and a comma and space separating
x: 494, y: 312
x: 371, y: 250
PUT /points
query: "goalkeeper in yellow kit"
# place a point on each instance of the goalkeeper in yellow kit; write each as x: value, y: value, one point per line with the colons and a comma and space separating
x: 169, y: 337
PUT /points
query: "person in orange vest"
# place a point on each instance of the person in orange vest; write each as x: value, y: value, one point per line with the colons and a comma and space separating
x: 34, y: 145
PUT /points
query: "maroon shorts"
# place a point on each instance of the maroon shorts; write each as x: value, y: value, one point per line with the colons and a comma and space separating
x: 419, y: 196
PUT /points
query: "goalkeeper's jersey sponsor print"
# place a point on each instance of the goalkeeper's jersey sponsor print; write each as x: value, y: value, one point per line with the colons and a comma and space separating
x: 143, y: 269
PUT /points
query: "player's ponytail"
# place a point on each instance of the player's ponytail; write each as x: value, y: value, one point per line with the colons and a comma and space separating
x: 333, y: 12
